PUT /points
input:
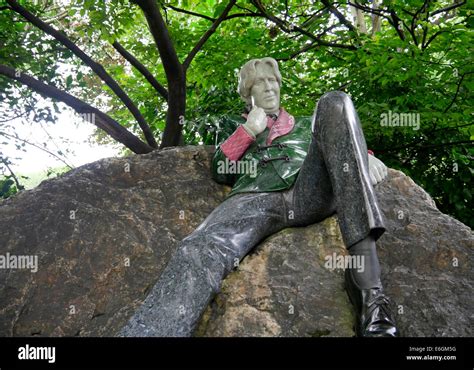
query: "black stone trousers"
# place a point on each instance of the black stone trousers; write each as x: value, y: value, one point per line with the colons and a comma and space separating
x: 334, y: 178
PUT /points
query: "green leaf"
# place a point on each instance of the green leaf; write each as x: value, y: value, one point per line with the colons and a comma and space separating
x: 219, y: 9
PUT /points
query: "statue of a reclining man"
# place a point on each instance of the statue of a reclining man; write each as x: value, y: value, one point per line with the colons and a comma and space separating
x: 307, y: 169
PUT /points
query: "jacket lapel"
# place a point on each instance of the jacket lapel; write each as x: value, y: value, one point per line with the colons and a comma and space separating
x: 283, y: 125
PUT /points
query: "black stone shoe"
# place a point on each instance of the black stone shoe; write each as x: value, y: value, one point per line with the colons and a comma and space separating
x: 374, y: 315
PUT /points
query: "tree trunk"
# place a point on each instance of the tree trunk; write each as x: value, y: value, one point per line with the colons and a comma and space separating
x: 176, y: 111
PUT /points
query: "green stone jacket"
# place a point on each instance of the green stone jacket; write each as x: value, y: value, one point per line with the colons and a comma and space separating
x: 266, y: 165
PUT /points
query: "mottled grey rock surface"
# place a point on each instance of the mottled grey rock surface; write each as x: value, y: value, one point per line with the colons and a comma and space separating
x: 104, y: 232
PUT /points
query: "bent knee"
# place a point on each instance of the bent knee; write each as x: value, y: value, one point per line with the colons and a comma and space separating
x: 335, y: 99
x: 331, y: 108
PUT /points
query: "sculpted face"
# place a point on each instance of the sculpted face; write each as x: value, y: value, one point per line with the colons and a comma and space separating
x: 266, y: 90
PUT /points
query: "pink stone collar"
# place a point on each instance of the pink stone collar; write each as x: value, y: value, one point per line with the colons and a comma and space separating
x: 282, y: 126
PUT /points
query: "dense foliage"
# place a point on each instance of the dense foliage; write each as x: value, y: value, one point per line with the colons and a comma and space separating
x: 7, y: 187
x: 406, y: 63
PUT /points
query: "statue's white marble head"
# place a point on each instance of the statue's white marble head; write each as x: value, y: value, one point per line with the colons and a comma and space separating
x: 261, y: 79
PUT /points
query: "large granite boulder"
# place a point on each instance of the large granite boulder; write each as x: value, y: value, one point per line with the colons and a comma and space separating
x: 104, y: 232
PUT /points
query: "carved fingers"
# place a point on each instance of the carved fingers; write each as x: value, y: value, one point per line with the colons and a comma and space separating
x: 378, y: 170
x: 256, y: 120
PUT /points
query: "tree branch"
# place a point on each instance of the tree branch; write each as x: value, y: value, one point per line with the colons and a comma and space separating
x: 240, y: 15
x: 433, y: 36
x: 199, y: 15
x: 179, y: 10
x: 396, y: 23
x: 208, y: 34
x: 96, y: 67
x: 243, y: 8
x: 339, y: 15
x: 392, y: 17
x: 18, y: 185
x: 98, y: 118
x: 414, y: 24
x: 423, y: 40
x: 452, y: 127
x: 175, y: 73
x: 457, y: 91
x: 312, y: 17
x: 142, y: 69
x: 162, y: 38
x: 448, y: 8
x: 368, y: 10
x: 306, y: 47
x: 38, y: 147
x: 298, y: 52
x: 17, y: 116
x: 282, y: 24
